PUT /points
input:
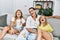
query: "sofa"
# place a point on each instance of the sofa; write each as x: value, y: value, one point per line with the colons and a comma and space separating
x: 55, y: 23
x: 3, y: 23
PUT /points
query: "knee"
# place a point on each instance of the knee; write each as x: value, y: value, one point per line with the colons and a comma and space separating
x: 49, y: 38
x: 43, y: 39
x: 6, y: 28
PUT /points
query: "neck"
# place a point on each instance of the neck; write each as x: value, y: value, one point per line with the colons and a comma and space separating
x: 18, y: 18
x: 34, y: 17
x: 42, y: 24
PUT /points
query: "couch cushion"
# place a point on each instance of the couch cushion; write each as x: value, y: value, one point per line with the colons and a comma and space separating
x: 55, y: 23
x: 3, y: 20
x: 10, y: 37
x: 56, y: 38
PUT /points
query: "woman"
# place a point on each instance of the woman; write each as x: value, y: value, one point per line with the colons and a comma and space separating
x: 15, y: 26
x: 44, y: 29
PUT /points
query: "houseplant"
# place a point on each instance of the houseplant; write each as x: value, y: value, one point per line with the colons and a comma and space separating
x: 46, y: 12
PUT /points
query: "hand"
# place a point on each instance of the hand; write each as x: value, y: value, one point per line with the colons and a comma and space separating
x: 11, y: 31
x: 24, y: 35
x: 17, y: 33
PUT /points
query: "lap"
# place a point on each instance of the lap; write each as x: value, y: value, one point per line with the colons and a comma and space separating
x: 23, y: 35
x: 13, y: 31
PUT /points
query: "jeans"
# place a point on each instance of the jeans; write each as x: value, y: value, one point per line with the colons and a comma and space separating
x: 25, y: 35
x: 32, y: 36
x: 19, y: 28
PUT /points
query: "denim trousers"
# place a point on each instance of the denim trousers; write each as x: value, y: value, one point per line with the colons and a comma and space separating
x: 25, y: 35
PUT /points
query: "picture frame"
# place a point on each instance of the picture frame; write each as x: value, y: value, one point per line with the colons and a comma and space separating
x: 42, y: 4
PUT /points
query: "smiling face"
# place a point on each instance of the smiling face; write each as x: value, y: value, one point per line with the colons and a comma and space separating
x: 18, y: 14
x: 42, y: 19
x: 32, y: 12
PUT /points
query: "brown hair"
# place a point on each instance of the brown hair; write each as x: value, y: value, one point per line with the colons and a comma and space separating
x: 32, y: 8
x: 16, y: 14
x: 45, y: 21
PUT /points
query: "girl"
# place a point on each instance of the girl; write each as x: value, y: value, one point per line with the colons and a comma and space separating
x: 15, y: 26
x: 44, y: 29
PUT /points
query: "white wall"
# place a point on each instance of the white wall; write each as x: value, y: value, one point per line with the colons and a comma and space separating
x: 10, y: 6
x: 23, y: 5
x: 56, y: 7
x: 6, y: 7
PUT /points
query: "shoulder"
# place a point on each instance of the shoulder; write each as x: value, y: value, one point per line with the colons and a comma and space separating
x: 48, y: 25
x: 38, y: 16
x: 29, y: 17
x: 22, y: 19
x: 13, y: 19
x: 38, y: 27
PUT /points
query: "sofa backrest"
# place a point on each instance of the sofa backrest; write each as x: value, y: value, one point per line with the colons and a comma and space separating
x: 55, y: 23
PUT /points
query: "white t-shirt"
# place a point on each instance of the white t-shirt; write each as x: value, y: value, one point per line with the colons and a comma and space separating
x: 31, y: 23
x: 19, y: 22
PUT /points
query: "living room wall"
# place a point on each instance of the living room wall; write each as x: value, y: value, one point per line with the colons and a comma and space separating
x: 56, y: 7
x: 6, y: 7
x: 10, y: 6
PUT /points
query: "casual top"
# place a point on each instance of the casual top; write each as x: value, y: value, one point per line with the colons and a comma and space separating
x: 47, y: 28
x: 19, y: 22
x: 31, y: 23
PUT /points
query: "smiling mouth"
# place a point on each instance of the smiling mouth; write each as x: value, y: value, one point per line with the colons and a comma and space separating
x: 42, y: 20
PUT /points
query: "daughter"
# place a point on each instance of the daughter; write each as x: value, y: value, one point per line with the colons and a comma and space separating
x: 44, y: 29
x: 15, y: 26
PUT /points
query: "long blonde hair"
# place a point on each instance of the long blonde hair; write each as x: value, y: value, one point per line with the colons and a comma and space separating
x: 45, y: 23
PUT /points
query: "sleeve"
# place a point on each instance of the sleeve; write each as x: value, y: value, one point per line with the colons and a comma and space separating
x: 50, y: 28
x: 13, y: 19
x: 23, y: 20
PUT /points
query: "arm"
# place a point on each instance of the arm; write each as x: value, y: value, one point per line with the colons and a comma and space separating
x: 23, y: 24
x: 50, y: 16
x: 58, y: 17
x: 12, y: 24
x: 31, y: 30
x: 29, y: 27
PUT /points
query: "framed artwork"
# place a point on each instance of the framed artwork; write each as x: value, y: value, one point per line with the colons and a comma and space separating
x: 42, y: 4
